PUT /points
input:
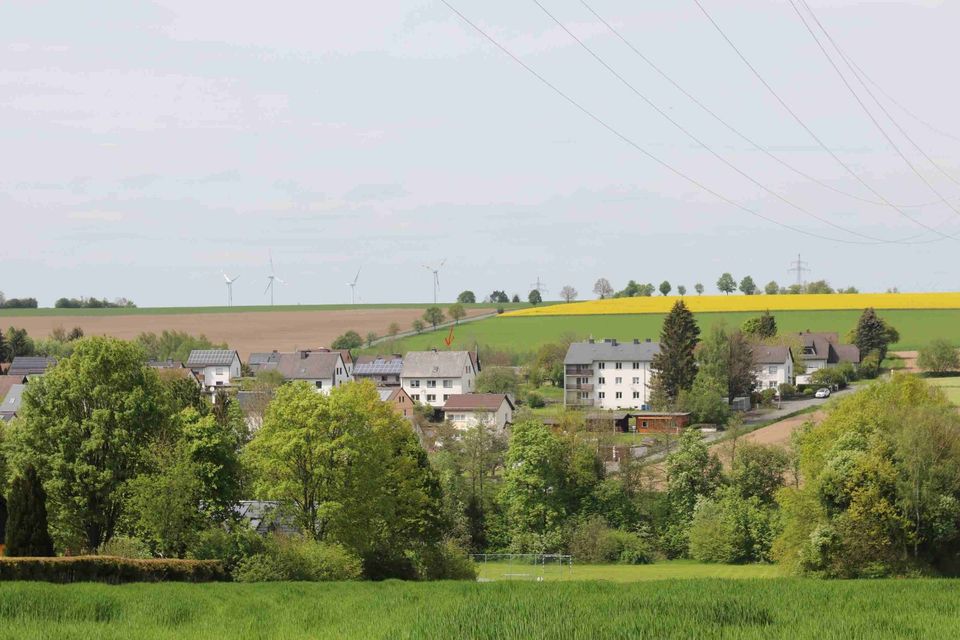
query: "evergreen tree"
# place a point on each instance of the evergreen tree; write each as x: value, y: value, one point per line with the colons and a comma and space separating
x: 675, y: 365
x: 873, y: 334
x: 27, y: 534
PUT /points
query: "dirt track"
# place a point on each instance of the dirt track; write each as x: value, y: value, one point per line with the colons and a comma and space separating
x: 245, y: 332
x: 909, y: 360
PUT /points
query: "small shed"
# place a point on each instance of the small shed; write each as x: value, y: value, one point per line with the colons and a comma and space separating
x: 660, y: 421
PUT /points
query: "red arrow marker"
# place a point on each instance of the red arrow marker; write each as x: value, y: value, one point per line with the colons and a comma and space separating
x: 449, y: 339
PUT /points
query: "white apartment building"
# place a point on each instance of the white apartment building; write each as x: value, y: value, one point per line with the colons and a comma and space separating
x: 432, y: 377
x: 609, y: 374
x: 773, y: 366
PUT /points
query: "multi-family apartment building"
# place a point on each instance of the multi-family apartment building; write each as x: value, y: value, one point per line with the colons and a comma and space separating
x: 609, y: 374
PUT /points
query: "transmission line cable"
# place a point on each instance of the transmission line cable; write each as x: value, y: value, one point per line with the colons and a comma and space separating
x: 635, y: 145
x: 806, y: 128
x: 700, y: 142
x: 733, y: 129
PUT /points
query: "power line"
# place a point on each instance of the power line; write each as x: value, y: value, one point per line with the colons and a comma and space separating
x: 733, y: 129
x: 813, y: 135
x: 700, y: 142
x: 870, y: 93
x: 636, y: 146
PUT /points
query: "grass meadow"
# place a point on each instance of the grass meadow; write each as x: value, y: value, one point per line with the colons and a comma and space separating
x: 694, y: 608
x: 526, y: 334
x: 950, y: 386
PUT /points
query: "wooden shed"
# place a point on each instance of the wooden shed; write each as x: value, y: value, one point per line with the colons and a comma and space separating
x: 660, y: 422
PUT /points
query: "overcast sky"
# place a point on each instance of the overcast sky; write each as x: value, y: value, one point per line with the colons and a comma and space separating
x: 146, y: 146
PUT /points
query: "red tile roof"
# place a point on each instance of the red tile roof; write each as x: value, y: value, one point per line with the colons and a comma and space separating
x: 476, y: 402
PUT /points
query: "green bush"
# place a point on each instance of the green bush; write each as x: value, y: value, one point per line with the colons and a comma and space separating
x: 809, y: 391
x: 732, y: 529
x: 787, y: 390
x: 593, y: 542
x: 535, y: 400
x: 230, y: 546
x: 126, y: 547
x: 445, y: 561
x: 295, y: 558
x: 110, y: 570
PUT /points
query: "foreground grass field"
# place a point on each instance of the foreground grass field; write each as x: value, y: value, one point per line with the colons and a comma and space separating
x: 525, y: 334
x: 671, y: 570
x: 503, y: 610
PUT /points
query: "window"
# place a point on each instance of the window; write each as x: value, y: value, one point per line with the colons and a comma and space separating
x: 636, y: 381
x: 319, y: 384
x: 644, y: 424
x: 618, y: 365
x: 601, y: 395
x: 431, y: 397
x: 584, y: 395
x: 446, y: 397
x: 772, y: 369
x: 636, y: 365
x: 618, y: 380
x: 431, y: 384
x: 401, y: 400
x: 636, y: 395
x: 619, y: 395
x: 448, y: 384
x: 602, y: 381
x: 414, y: 384
x: 772, y: 384
x: 601, y: 365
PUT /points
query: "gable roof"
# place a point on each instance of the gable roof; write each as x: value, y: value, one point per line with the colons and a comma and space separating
x: 261, y: 361
x: 165, y: 364
x: 212, y: 358
x: 477, y: 402
x: 30, y: 365
x: 611, y: 350
x: 13, y: 399
x: 8, y: 381
x: 378, y: 365
x: 826, y: 346
x: 437, y: 364
x: 764, y: 354
x: 308, y: 365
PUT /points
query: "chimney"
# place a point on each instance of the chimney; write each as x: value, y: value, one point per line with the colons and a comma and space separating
x: 613, y: 341
x: 648, y: 340
x: 590, y: 341
x: 304, y: 354
x: 636, y: 341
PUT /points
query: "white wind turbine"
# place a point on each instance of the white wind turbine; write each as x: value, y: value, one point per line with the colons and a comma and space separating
x: 229, y: 282
x: 353, y: 287
x: 272, y: 279
x: 436, y: 277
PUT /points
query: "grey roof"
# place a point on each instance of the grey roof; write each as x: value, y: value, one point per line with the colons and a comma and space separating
x: 13, y: 399
x: 30, y: 365
x: 263, y: 516
x: 611, y: 351
x: 165, y: 364
x: 378, y: 366
x: 253, y: 400
x: 308, y: 365
x: 211, y: 358
x: 386, y: 394
x: 764, y: 354
x: 437, y: 364
x: 826, y: 346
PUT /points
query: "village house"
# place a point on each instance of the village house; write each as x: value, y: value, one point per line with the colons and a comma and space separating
x: 11, y: 396
x: 23, y: 366
x: 432, y: 377
x: 323, y: 369
x: 399, y: 400
x: 609, y: 374
x: 821, y: 350
x: 383, y: 371
x: 215, y: 367
x: 774, y: 366
x: 470, y: 409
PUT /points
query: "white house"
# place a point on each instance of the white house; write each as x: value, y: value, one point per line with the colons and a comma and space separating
x: 215, y: 367
x: 432, y: 377
x: 324, y: 369
x: 383, y: 371
x: 609, y: 374
x: 773, y: 366
x: 470, y: 409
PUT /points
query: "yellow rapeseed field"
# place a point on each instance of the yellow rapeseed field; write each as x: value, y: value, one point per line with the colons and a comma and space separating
x: 707, y: 304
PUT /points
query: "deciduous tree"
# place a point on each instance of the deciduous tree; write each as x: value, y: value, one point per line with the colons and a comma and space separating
x: 568, y: 293
x: 456, y: 312
x: 772, y: 288
x: 665, y: 288
x: 747, y: 286
x: 939, y: 356
x: 602, y: 288
x: 698, y: 288
x: 726, y: 284
x: 433, y: 316
x: 467, y: 297
x: 534, y: 297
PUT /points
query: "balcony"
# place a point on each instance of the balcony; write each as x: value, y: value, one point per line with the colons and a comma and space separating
x: 577, y: 402
x: 579, y: 387
x: 580, y: 371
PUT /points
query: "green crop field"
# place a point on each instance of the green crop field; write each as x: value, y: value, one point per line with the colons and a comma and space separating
x: 698, y: 608
x: 669, y: 570
x: 916, y: 327
x: 950, y: 386
x: 139, y: 311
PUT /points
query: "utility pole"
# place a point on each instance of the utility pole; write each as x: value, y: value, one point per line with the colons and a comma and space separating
x: 539, y: 286
x: 800, y: 267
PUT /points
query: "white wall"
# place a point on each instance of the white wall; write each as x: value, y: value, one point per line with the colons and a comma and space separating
x: 465, y: 384
x: 469, y: 419
x: 631, y: 381
x: 782, y: 374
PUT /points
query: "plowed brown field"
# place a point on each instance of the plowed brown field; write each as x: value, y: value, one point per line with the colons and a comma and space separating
x: 244, y: 331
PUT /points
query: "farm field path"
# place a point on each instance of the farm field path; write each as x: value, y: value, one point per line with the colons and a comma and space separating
x: 909, y: 361
x: 244, y: 331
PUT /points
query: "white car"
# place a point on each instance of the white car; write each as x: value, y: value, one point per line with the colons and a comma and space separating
x: 822, y: 392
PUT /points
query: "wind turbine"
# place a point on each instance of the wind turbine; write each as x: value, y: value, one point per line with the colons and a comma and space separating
x: 271, y: 279
x: 436, y: 277
x: 229, y: 282
x: 353, y: 287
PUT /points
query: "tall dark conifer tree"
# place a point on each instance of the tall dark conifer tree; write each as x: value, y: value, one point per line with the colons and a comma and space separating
x: 27, y: 534
x: 675, y: 365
